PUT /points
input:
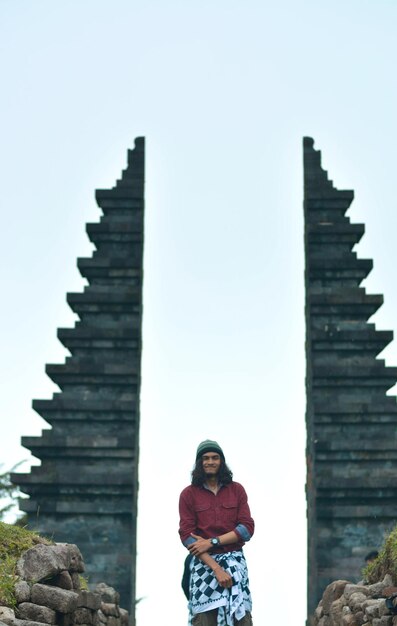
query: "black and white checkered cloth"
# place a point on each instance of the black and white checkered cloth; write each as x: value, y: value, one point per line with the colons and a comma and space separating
x: 206, y: 593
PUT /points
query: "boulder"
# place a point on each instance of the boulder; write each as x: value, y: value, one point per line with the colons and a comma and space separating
x: 22, y: 591
x: 108, y: 594
x: 7, y: 615
x: 69, y: 556
x: 110, y: 609
x: 38, y: 563
x: 58, y: 599
x: 89, y: 600
x: 27, y: 622
x: 36, y: 613
x: 333, y: 592
x: 83, y: 616
x: 63, y: 580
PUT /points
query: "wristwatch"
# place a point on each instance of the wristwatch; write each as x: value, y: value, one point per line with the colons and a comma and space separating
x: 215, y: 541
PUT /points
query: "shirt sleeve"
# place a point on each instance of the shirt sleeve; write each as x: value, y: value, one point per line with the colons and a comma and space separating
x: 246, y: 525
x: 187, y: 518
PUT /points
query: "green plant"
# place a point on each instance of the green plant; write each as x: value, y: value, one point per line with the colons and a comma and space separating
x: 7, y: 581
x: 13, y: 542
x: 83, y: 582
x: 385, y: 563
x: 8, y: 491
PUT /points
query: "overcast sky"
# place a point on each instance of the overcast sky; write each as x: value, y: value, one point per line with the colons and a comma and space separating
x: 224, y: 91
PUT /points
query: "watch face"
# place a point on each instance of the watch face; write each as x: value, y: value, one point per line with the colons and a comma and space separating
x: 215, y: 541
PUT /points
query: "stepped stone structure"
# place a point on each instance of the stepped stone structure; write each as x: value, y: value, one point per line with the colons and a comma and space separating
x: 351, y: 422
x: 85, y: 490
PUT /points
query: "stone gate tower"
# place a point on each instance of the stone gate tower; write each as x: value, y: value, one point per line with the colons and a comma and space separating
x: 351, y: 422
x: 85, y: 490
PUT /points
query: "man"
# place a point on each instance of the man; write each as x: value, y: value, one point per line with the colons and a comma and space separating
x: 215, y: 522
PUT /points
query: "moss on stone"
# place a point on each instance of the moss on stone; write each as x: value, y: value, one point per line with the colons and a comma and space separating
x: 13, y: 542
x: 385, y: 563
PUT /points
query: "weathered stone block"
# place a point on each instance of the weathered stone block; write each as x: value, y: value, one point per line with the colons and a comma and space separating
x: 27, y: 622
x: 108, y: 594
x: 60, y: 600
x: 83, y: 616
x: 36, y: 613
x: 356, y: 601
x: 350, y: 589
x: 22, y: 591
x: 89, y: 600
x: 374, y: 608
x: 124, y: 616
x: 70, y: 557
x: 7, y: 615
x: 76, y: 581
x: 110, y: 609
x: 333, y: 592
x: 63, y: 580
x: 38, y: 563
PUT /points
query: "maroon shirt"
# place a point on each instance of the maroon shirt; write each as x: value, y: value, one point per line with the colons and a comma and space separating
x: 208, y: 515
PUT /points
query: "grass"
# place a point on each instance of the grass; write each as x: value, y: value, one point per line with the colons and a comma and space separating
x: 14, y: 540
x: 385, y: 563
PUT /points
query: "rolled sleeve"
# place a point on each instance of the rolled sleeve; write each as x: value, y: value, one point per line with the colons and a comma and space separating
x: 188, y: 542
x: 242, y: 532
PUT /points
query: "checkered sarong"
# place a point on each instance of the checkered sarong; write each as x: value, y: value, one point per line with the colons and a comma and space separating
x: 206, y: 593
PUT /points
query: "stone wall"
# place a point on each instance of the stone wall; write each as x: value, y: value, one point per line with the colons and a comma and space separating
x: 347, y: 604
x: 49, y: 591
x: 351, y: 419
x: 86, y: 487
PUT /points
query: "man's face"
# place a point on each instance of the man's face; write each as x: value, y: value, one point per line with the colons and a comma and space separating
x: 211, y: 463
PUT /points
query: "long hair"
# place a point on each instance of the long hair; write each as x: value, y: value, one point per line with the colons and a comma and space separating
x: 225, y: 475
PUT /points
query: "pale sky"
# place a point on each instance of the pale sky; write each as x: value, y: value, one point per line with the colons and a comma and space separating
x: 223, y: 91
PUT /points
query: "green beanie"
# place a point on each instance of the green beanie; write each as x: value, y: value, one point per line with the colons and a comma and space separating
x: 209, y: 446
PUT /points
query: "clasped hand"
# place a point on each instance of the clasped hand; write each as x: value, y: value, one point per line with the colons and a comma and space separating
x: 199, y: 546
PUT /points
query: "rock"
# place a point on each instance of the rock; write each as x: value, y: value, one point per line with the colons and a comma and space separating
x: 76, y: 581
x: 38, y: 563
x: 348, y: 620
x: 36, y: 613
x: 113, y: 621
x: 102, y: 617
x: 319, y: 612
x: 108, y: 594
x: 386, y: 620
x: 388, y: 591
x: 60, y: 600
x: 89, y: 600
x: 333, y: 592
x: 69, y: 556
x: 83, y: 616
x: 22, y: 591
x: 63, y: 580
x: 336, y: 610
x: 375, y: 590
x: 124, y: 617
x: 27, y: 622
x: 359, y: 617
x: 65, y: 619
x: 110, y: 609
x: 350, y: 589
x: 374, y: 608
x: 7, y: 615
x: 356, y: 601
